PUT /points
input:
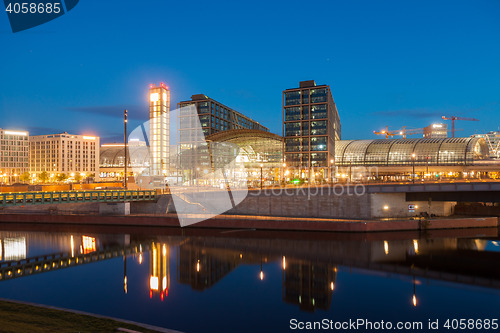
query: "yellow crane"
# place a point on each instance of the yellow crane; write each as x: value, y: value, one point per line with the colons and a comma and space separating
x: 403, y: 132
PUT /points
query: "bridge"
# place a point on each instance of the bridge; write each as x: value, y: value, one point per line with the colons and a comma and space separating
x: 42, y: 198
x: 456, y: 191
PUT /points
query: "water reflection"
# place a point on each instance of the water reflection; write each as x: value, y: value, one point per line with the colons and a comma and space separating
x: 309, y: 264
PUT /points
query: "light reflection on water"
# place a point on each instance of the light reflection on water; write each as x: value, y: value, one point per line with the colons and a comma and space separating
x: 210, y: 280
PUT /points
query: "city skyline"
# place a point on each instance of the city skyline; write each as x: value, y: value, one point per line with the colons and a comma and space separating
x: 387, y: 64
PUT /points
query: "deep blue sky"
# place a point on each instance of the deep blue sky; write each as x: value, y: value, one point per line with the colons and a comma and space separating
x: 388, y: 62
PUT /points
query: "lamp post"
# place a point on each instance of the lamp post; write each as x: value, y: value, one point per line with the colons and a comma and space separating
x: 427, y: 171
x: 413, y: 174
x: 284, y: 167
x: 125, y: 148
x: 350, y: 171
x: 331, y: 171
x: 261, y: 179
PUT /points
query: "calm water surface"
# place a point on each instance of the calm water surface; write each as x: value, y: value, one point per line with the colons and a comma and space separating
x: 252, y: 281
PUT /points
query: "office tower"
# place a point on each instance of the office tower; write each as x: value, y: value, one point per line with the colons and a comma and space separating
x: 311, y: 124
x: 216, y: 117
x: 436, y: 131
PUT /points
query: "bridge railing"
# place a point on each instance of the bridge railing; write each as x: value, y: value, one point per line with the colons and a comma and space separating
x: 41, y: 198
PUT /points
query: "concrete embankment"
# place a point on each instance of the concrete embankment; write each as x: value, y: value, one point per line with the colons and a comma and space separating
x: 258, y: 222
x: 311, y: 209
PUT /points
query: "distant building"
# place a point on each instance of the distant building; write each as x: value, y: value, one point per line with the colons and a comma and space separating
x: 112, y: 159
x: 64, y: 154
x: 14, y: 155
x: 493, y: 141
x: 216, y: 117
x: 159, y: 129
x: 436, y: 131
x: 311, y: 125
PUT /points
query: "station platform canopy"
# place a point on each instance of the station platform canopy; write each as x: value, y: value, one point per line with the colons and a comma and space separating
x: 400, y: 152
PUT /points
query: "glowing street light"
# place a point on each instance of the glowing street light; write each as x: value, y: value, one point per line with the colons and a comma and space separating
x: 261, y: 178
x: 413, y: 160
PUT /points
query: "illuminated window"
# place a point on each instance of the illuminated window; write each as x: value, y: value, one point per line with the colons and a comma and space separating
x: 154, y: 97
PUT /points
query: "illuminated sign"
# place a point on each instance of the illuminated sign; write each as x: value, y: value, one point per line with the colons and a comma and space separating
x: 89, y: 138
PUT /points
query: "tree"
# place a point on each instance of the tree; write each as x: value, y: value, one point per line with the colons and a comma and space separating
x: 25, y: 177
x: 78, y: 177
x: 61, y: 177
x: 44, y: 176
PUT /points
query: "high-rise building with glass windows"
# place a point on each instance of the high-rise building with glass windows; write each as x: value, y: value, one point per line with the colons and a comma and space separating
x: 311, y: 124
x: 159, y: 133
x: 216, y: 117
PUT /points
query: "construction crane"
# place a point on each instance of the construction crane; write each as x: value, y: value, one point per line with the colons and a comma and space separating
x: 386, y: 132
x: 403, y: 132
x: 453, y: 118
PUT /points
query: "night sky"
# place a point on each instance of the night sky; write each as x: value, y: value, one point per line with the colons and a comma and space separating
x: 389, y: 63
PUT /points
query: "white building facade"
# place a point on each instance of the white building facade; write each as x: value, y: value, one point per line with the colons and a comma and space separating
x: 64, y: 153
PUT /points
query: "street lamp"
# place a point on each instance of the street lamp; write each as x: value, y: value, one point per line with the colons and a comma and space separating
x: 261, y: 179
x: 125, y: 146
x: 283, y: 171
x: 331, y: 171
x: 413, y: 159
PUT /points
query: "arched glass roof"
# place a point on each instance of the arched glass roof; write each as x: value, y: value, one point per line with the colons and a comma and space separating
x: 114, y: 156
x: 449, y: 151
x: 256, y: 146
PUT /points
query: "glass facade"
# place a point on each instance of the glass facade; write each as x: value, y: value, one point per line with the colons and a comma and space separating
x: 256, y: 148
x: 493, y: 141
x: 450, y: 151
x: 216, y: 117
x: 311, y: 125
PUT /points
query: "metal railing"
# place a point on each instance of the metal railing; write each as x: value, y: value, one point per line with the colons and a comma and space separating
x: 43, y: 198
